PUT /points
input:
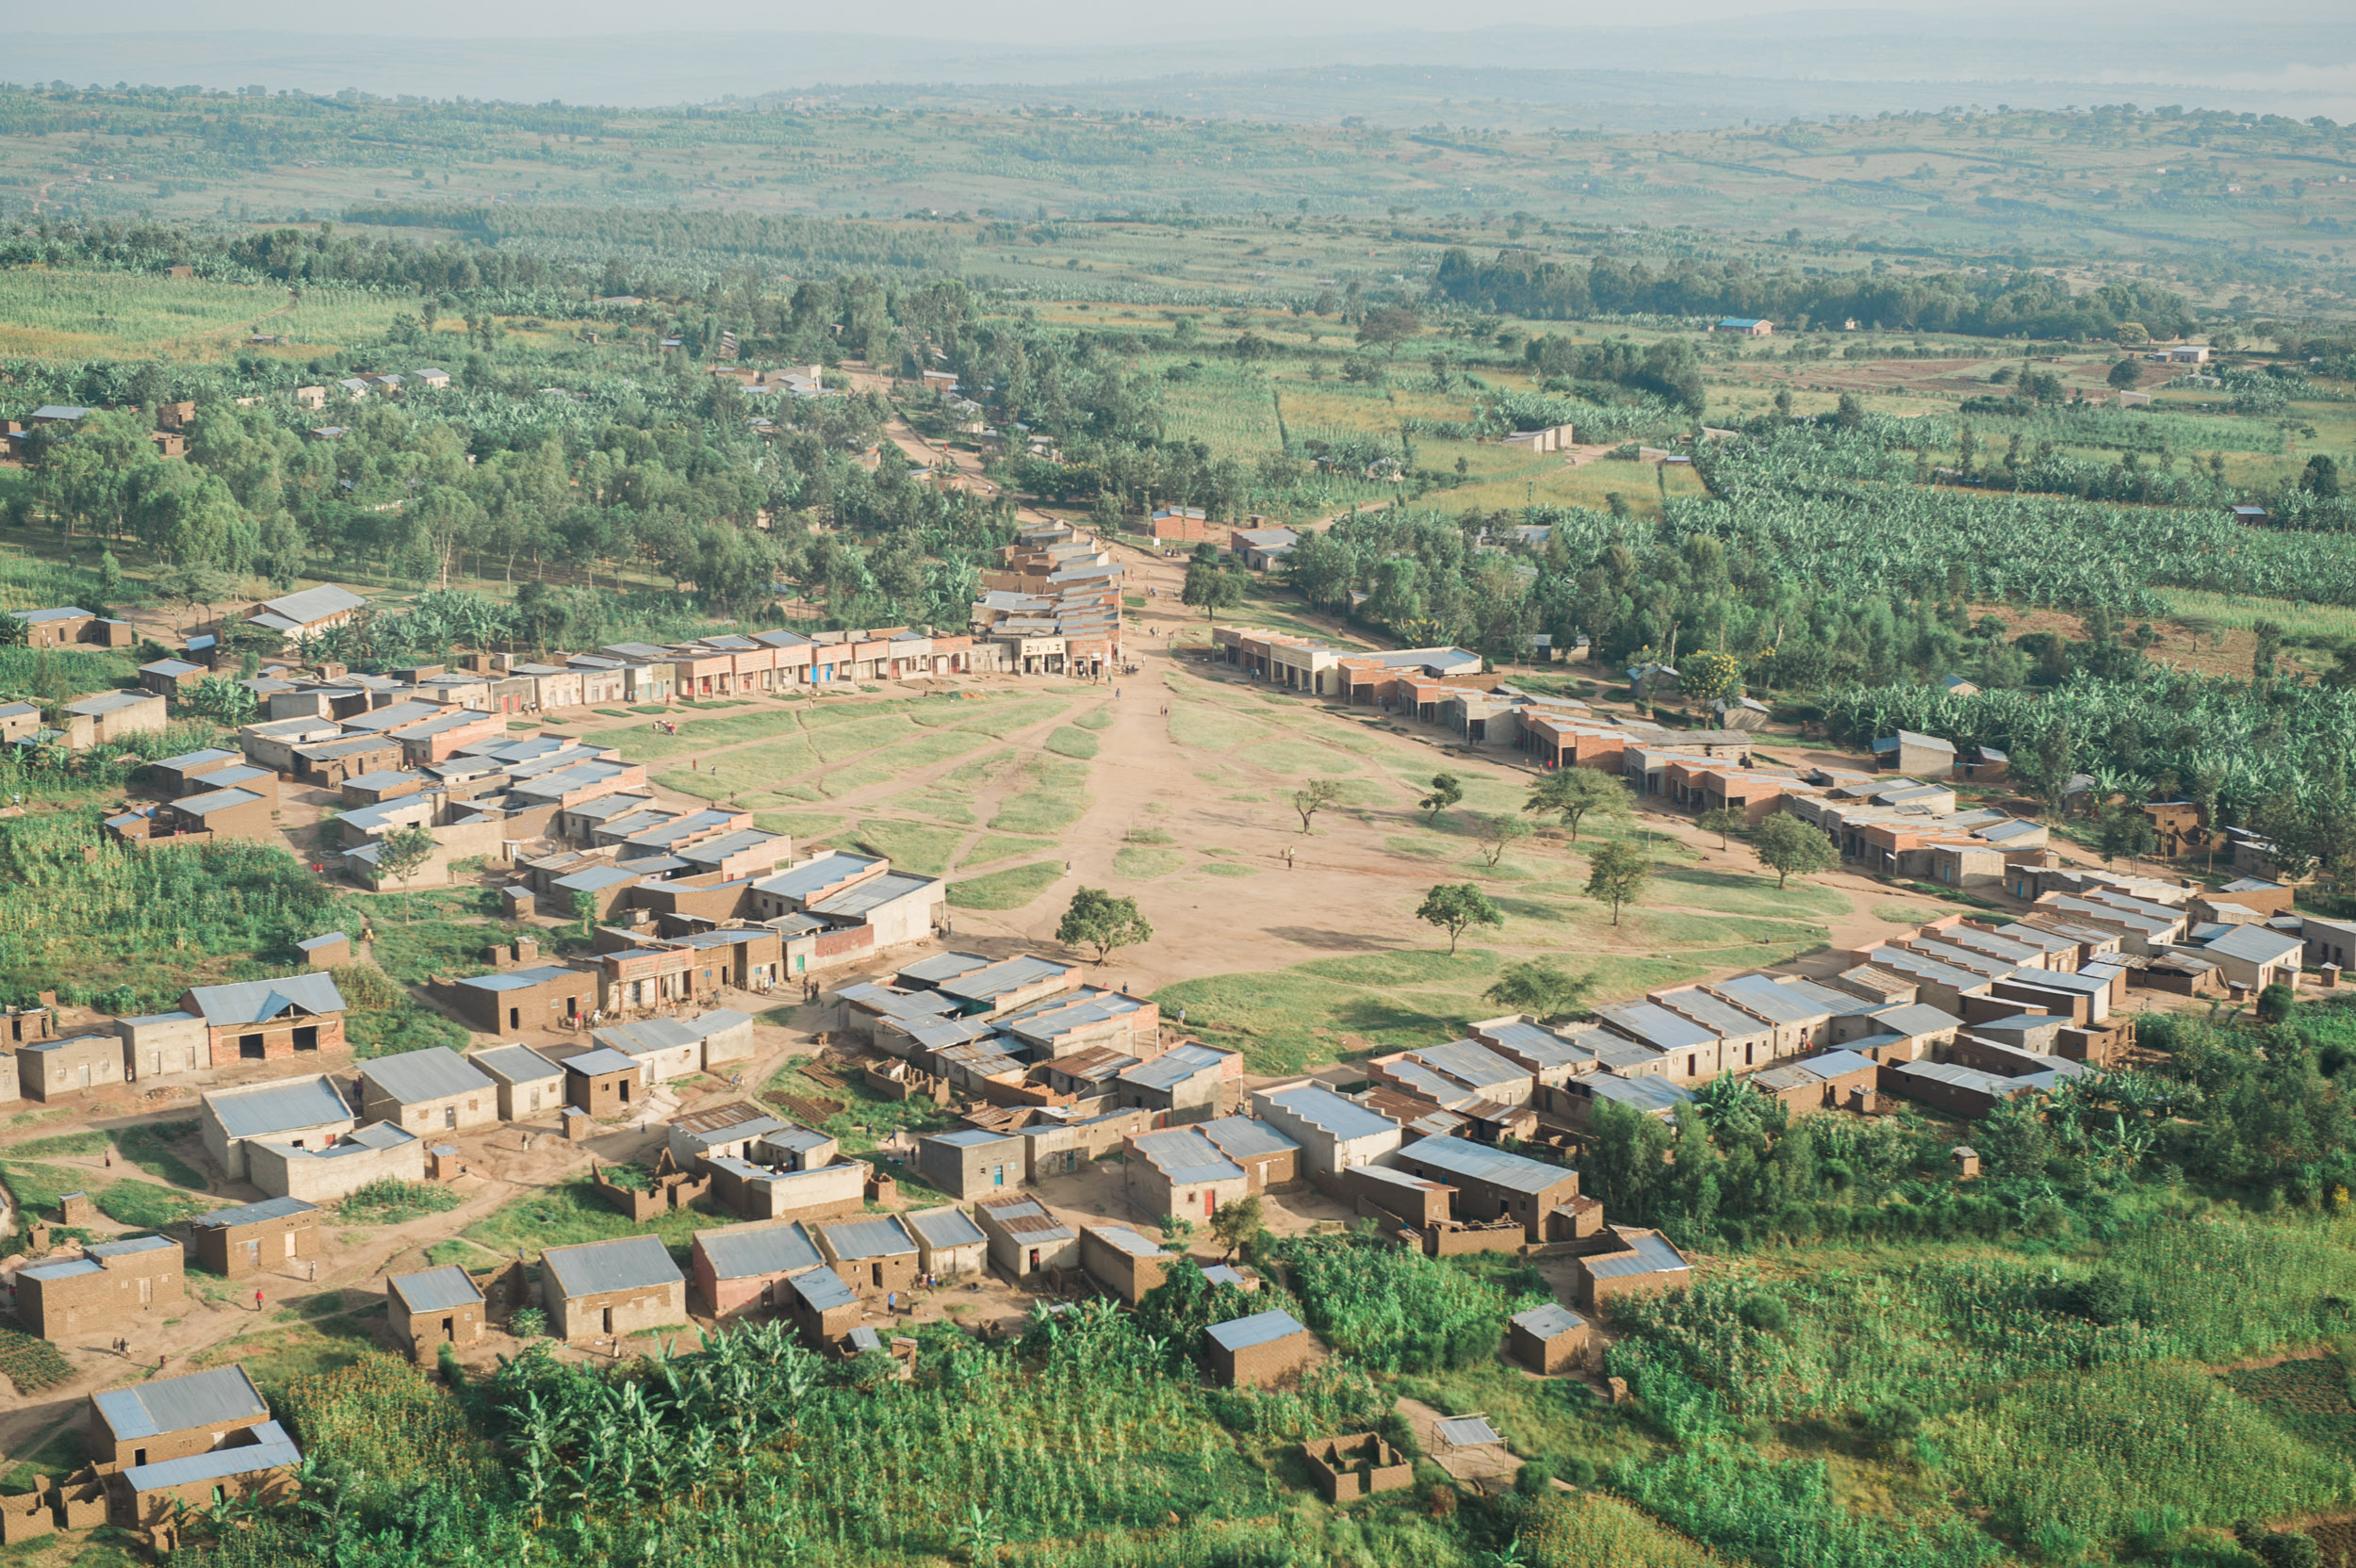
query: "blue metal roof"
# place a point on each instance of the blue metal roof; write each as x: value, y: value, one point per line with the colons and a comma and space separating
x: 269, y: 1208
x: 746, y: 1252
x: 273, y: 1450
x: 223, y: 1397
x: 822, y: 1290
x: 442, y: 1289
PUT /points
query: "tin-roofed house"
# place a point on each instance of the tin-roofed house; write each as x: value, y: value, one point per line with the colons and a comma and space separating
x: 378, y: 1152
x: 1025, y: 1238
x: 1186, y: 1084
x: 739, y: 1270
x: 1122, y: 1260
x: 256, y: 1021
x: 528, y: 1083
x: 1180, y: 1172
x: 823, y: 1309
x: 673, y: 1048
x: 603, y: 1082
x: 437, y: 1306
x: 110, y: 1288
x: 1494, y: 1186
x: 949, y: 1246
x: 1334, y: 1133
x: 607, y: 1288
x: 1269, y: 1159
x: 540, y: 996
x: 301, y: 616
x: 1259, y: 1351
x: 234, y: 1243
x: 51, y: 1069
x: 874, y: 1255
x: 1644, y: 1261
x: 970, y: 1162
x: 432, y: 1090
x: 170, y: 1418
x: 304, y: 1112
x: 1549, y: 1340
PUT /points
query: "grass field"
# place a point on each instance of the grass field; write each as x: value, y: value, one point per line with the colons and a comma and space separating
x: 69, y: 313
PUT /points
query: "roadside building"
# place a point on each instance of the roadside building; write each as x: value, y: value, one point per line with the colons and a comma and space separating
x: 949, y: 1246
x: 51, y: 1069
x: 604, y: 1288
x: 112, y: 1287
x: 437, y: 1306
x: 970, y: 1162
x: 302, y: 1112
x: 430, y: 1090
x: 528, y: 1083
x: 255, y: 1020
x: 248, y: 1239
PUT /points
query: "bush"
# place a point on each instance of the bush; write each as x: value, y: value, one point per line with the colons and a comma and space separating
x: 1534, y: 1480
x: 388, y: 1200
x: 528, y: 1323
x: 1767, y: 1312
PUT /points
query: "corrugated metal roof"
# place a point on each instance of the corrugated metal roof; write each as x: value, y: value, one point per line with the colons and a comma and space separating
x: 1183, y: 1154
x: 222, y: 1398
x: 852, y: 1239
x: 1549, y: 1320
x: 1465, y: 1432
x: 866, y: 897
x: 594, y: 1268
x: 1220, y: 1274
x: 516, y: 1063
x: 745, y: 1251
x: 521, y: 979
x: 258, y: 1001
x: 288, y: 1107
x: 273, y: 1450
x: 594, y: 1064
x: 1175, y: 1067
x: 1649, y: 1254
x: 249, y: 1214
x: 1915, y: 1018
x: 1477, y: 1162
x: 812, y: 877
x: 1026, y: 1217
x: 996, y: 980
x: 1321, y: 1108
x: 442, y: 1289
x: 822, y: 1290
x: 1261, y: 1328
x: 932, y: 971
x: 437, y: 1073
x: 968, y: 1138
x: 1122, y: 1239
x: 314, y: 604
x: 1242, y: 1137
x: 943, y: 1227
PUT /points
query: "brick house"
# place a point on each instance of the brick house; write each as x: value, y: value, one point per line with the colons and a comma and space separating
x: 602, y: 1081
x: 430, y: 1090
x: 823, y: 1308
x: 1492, y: 1185
x: 111, y: 716
x: 739, y: 1270
x: 1122, y: 1260
x: 603, y: 1288
x: 1186, y: 1084
x: 1268, y: 1158
x: 303, y: 1112
x: 1259, y: 1351
x: 436, y: 1306
x: 970, y: 1162
x: 1178, y: 1171
x: 255, y: 1021
x: 537, y: 997
x: 54, y: 1069
x: 169, y: 1419
x: 1644, y: 1263
x: 106, y: 1290
x: 1548, y: 1340
x: 375, y: 1152
x: 872, y: 1255
x: 234, y: 1243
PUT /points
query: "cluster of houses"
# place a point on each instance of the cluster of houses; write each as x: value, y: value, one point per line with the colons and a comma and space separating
x: 1050, y: 606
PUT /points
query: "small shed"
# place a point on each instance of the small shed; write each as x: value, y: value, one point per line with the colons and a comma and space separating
x: 1548, y: 1339
x: 949, y: 1244
x: 331, y: 950
x: 1260, y: 1351
x: 437, y: 1306
x: 234, y: 1243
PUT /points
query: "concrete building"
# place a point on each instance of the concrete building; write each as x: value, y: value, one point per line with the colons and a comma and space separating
x: 432, y: 1090
x: 1268, y: 1158
x: 301, y: 1112
x: 949, y: 1246
x: 1180, y: 1172
x: 168, y: 1418
x: 605, y: 1288
x: 874, y: 1256
x: 1492, y: 1185
x: 673, y: 1048
x: 437, y: 1306
x: 1186, y: 1084
x: 52, y: 1070
x: 378, y: 1152
x: 603, y: 1082
x: 113, y: 1287
x: 970, y: 1163
x: 1334, y: 1133
x: 1643, y: 1263
x: 256, y: 1238
x: 1259, y: 1351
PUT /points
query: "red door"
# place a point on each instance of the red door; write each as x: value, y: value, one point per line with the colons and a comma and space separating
x: 1207, y: 1204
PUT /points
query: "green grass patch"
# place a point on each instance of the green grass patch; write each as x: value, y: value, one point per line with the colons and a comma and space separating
x: 571, y: 1213
x: 798, y: 825
x: 278, y: 1354
x: 32, y: 1364
x: 1095, y: 718
x: 1053, y: 796
x: 1005, y: 890
x: 146, y: 1206
x: 459, y: 1251
x: 389, y: 1200
x: 36, y: 1187
x: 1002, y: 846
x: 1222, y: 867
x: 1206, y: 727
x: 909, y: 845
x: 866, y: 1119
x: 1068, y: 742
x: 63, y: 1145
x: 1143, y: 865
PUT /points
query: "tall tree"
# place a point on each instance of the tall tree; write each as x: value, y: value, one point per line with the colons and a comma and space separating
x: 1456, y: 906
x: 1573, y: 792
x: 1617, y: 873
x: 1785, y: 845
x: 1099, y: 920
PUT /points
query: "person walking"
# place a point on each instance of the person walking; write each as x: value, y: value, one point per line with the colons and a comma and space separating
x: 257, y: 1300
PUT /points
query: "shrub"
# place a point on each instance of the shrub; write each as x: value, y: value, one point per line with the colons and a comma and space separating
x: 1767, y: 1312
x: 1534, y: 1480
x: 528, y: 1323
x: 388, y: 1200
